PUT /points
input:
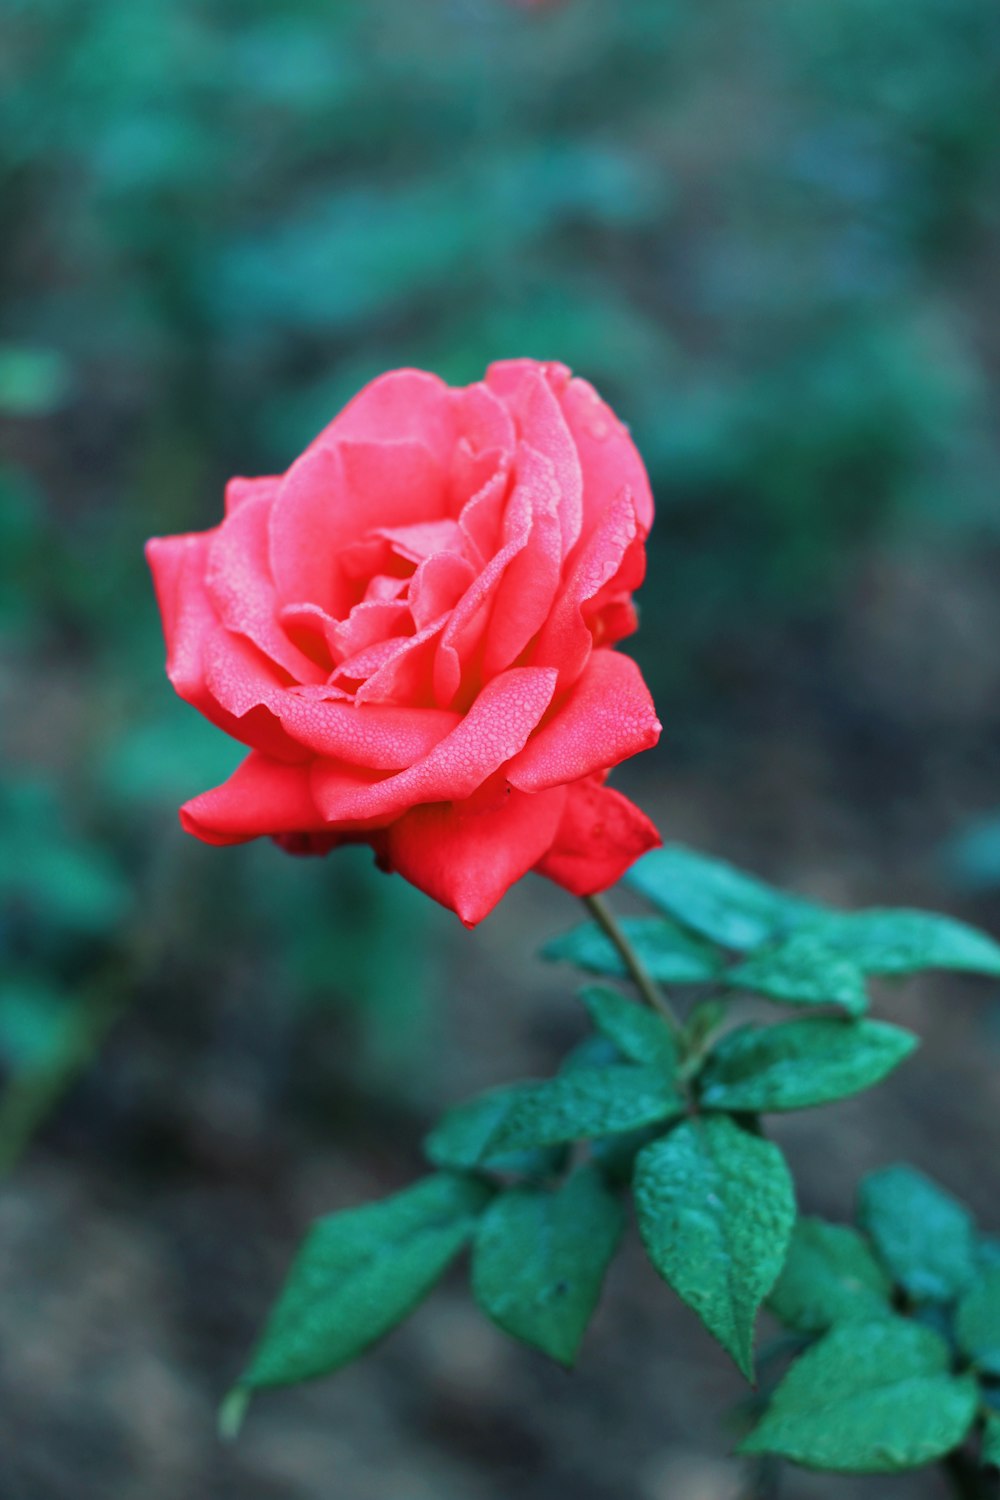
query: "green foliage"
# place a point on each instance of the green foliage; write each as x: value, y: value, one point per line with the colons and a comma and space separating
x: 540, y: 1257
x: 583, y: 1104
x: 638, y: 1034
x: 830, y: 1276
x: 667, y: 953
x: 670, y: 1109
x: 906, y: 942
x: 803, y: 971
x: 714, y: 899
x: 463, y: 1138
x: 869, y: 1398
x: 739, y: 912
x: 925, y: 1238
x: 789, y: 950
x: 716, y: 1207
x: 977, y: 1322
x: 800, y: 1063
x: 879, y: 1392
x: 359, y: 1273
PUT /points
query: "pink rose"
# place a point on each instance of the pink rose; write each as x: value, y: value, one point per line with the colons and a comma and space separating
x: 412, y: 630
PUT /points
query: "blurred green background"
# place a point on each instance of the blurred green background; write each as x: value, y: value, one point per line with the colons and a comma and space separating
x: 768, y: 230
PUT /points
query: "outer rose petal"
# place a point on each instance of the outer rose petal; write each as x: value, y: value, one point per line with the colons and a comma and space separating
x: 467, y: 855
x: 608, y: 717
x: 261, y: 797
x: 239, y: 489
x: 177, y: 564
x: 608, y: 456
x: 194, y: 636
x: 398, y: 405
x: 600, y: 835
x: 485, y: 422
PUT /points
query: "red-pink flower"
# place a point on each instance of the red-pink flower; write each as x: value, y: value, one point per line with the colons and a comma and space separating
x: 412, y: 630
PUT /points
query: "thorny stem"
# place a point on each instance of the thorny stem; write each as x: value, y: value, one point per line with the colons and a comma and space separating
x: 653, y: 996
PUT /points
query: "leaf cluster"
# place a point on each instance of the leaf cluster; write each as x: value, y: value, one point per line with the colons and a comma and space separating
x: 534, y: 1177
x: 900, y: 1322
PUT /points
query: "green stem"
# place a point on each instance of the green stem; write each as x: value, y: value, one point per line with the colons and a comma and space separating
x: 653, y: 996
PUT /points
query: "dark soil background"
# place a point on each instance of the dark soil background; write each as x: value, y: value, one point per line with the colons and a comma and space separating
x: 769, y: 233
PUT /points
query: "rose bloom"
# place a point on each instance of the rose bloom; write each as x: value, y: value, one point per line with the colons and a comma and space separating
x: 413, y: 630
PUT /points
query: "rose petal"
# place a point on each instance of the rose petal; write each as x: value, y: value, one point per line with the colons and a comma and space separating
x: 506, y: 376
x: 402, y: 404
x: 261, y: 797
x: 481, y: 516
x: 382, y: 586
x: 193, y: 634
x: 239, y: 489
x: 316, y: 720
x: 467, y: 857
x: 608, y: 457
x: 378, y: 736
x: 618, y: 619
x: 333, y: 496
x: 470, y: 471
x: 565, y: 640
x: 306, y: 531
x: 370, y: 623
x: 437, y: 585
x: 601, y: 834
x: 483, y: 419
x: 528, y: 392
x: 310, y: 629
x: 494, y: 729
x: 608, y: 717
x: 628, y: 578
x: 239, y: 583
x: 406, y: 675
x: 525, y: 593
x: 177, y: 564
x: 464, y: 630
x: 370, y: 659
x: 422, y: 539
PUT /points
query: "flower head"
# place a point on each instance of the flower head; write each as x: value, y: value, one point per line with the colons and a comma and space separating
x: 413, y: 630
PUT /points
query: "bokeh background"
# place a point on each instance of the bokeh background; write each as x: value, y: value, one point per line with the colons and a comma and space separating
x: 768, y: 230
